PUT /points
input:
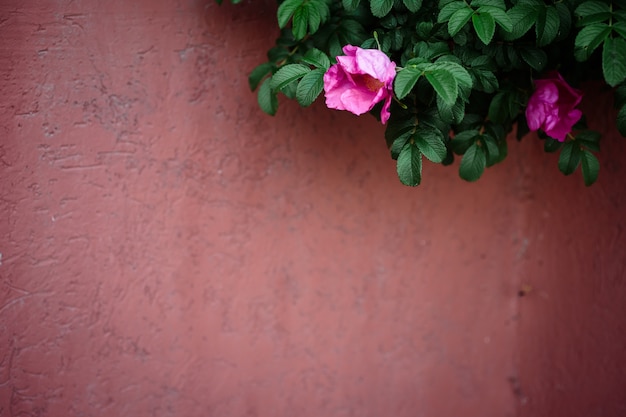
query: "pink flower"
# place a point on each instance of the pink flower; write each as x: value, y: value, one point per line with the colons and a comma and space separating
x: 359, y: 80
x: 551, y: 107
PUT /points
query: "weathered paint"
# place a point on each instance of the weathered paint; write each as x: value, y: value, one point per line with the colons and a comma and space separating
x: 169, y: 250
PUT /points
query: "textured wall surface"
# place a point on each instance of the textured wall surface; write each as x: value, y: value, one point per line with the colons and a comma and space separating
x: 168, y: 250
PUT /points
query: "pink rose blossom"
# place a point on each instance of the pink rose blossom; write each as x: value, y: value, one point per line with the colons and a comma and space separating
x: 359, y: 80
x: 551, y: 107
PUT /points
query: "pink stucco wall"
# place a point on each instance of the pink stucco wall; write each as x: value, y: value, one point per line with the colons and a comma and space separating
x: 169, y: 250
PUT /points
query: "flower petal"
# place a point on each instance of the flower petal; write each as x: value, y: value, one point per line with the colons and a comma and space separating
x: 546, y: 91
x: 552, y: 106
x: 374, y: 63
x: 535, y: 114
x: 358, y: 100
x: 333, y: 77
x: 360, y: 79
x: 385, y: 114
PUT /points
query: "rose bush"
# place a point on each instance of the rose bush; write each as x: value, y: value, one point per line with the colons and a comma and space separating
x: 360, y: 79
x: 452, y: 79
x: 552, y: 107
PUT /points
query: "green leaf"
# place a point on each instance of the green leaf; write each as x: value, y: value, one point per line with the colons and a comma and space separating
x: 551, y: 145
x: 397, y: 38
x: 484, y: 62
x: 503, y: 150
x: 286, y: 10
x: 459, y: 19
x: 513, y: 103
x: 484, y: 25
x: 536, y: 58
x: 431, y: 117
x: 614, y: 61
x: 523, y: 17
x: 310, y: 86
x: 405, y: 81
x: 350, y: 32
x: 258, y: 74
x: 463, y: 140
x: 589, y: 8
x: 444, y: 83
x: 496, y: 131
x: 350, y: 5
x: 427, y: 51
x: 380, y: 8
x: 590, y: 139
x: 460, y: 74
x: 462, y: 38
x: 399, y: 124
x: 498, y: 4
x: 547, y: 27
x: 277, y: 53
x: 287, y: 74
x: 565, y: 21
x: 424, y: 30
x: 398, y: 144
x: 491, y: 146
x: 334, y: 45
x: 498, y: 112
x: 413, y: 5
x: 499, y: 15
x: 430, y: 143
x: 267, y: 98
x: 619, y: 14
x: 473, y: 163
x: 409, y: 165
x: 485, y: 80
x: 592, y: 12
x: 449, y: 57
x: 569, y: 158
x: 590, y: 167
x: 589, y: 38
x: 449, y: 159
x: 621, y: 121
x: 316, y: 58
x: 321, y: 6
x: 290, y: 89
x: 449, y: 9
x: 300, y: 22
x: 471, y: 121
x: 314, y: 18
x: 620, y: 28
x: 451, y: 114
